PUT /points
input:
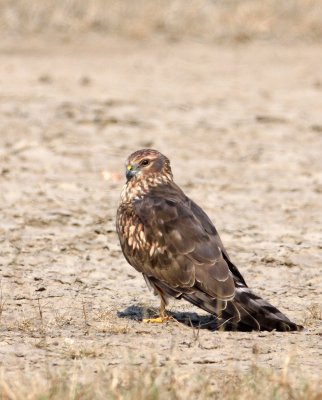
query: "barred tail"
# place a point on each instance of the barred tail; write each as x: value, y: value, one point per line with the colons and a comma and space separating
x: 245, y: 312
x: 267, y: 316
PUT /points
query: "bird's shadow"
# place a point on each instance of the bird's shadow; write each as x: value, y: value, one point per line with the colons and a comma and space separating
x: 190, y: 319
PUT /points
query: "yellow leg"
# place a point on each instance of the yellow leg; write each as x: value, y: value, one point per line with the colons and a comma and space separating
x: 163, y: 316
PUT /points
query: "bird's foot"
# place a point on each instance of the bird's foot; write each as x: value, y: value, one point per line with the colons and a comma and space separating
x: 158, y: 320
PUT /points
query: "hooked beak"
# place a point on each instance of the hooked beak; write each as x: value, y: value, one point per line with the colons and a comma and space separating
x: 131, y: 170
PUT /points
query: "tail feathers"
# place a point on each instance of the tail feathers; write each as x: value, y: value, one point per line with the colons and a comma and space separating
x: 246, y: 312
x: 229, y: 313
x: 267, y: 316
x: 243, y: 321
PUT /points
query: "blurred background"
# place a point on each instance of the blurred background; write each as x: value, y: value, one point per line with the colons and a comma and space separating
x: 231, y: 92
x: 210, y: 20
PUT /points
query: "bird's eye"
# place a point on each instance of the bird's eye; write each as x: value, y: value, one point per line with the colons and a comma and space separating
x: 145, y: 162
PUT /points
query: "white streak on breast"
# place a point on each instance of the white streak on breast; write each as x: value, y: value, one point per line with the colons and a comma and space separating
x: 152, y: 249
x: 142, y: 236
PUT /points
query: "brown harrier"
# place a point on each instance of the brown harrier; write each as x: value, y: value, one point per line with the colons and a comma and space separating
x: 172, y: 242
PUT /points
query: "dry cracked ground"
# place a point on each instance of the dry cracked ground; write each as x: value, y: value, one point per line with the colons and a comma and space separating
x: 242, y: 126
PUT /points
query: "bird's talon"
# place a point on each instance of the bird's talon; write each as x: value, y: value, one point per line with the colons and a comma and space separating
x: 158, y: 320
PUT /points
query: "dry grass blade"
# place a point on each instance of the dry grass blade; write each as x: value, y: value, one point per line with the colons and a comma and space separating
x: 153, y: 382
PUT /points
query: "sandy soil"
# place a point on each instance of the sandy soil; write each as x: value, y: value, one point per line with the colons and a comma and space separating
x: 243, y: 128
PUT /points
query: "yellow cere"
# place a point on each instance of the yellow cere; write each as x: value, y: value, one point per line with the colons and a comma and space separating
x: 129, y: 167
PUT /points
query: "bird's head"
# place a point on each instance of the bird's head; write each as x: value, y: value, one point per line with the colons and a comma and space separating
x: 149, y: 165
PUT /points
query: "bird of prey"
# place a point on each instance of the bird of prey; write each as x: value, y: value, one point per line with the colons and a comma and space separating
x: 169, y: 239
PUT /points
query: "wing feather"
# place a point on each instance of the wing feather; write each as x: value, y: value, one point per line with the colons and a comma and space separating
x: 191, y: 251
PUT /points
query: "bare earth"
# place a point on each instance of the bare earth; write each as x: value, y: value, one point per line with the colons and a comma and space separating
x: 243, y: 128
